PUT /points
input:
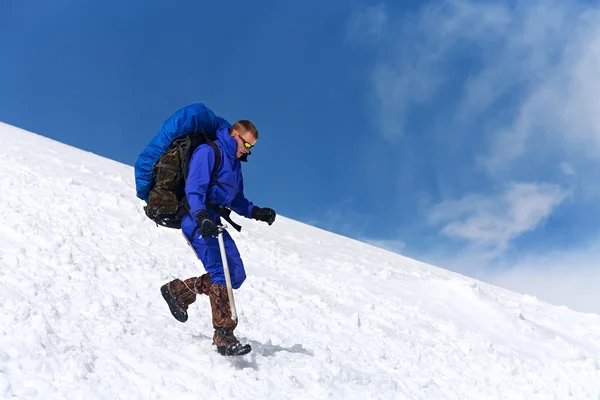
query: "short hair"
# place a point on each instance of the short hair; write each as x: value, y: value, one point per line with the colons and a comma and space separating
x: 245, y: 126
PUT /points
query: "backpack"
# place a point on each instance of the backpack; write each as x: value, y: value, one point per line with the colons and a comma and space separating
x: 167, y: 203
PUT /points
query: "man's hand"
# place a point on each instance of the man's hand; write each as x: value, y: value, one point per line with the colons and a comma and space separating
x: 208, y: 227
x: 263, y: 214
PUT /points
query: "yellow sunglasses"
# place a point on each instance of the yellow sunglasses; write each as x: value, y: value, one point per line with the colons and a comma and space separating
x: 246, y: 144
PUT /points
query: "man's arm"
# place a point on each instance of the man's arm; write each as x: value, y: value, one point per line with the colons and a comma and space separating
x: 240, y: 204
x: 200, y: 169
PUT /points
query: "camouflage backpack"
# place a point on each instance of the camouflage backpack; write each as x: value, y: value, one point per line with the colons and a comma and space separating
x: 167, y: 203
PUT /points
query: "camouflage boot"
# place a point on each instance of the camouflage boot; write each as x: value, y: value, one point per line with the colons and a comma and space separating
x: 180, y: 294
x: 226, y: 342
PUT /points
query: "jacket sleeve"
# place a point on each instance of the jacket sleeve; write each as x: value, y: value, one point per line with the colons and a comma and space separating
x: 192, y: 118
x: 240, y: 204
x: 200, y: 168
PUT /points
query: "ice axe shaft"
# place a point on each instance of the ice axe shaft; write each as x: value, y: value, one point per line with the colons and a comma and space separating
x: 226, y: 271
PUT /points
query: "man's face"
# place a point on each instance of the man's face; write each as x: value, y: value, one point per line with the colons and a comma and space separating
x: 245, y: 141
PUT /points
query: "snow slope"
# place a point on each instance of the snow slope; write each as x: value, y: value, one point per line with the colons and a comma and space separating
x: 328, y: 317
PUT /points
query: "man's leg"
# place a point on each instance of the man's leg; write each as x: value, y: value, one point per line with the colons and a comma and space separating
x: 209, y: 253
x: 214, y: 285
x: 180, y: 294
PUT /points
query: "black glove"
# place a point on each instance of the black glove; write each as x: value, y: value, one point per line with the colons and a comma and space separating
x: 263, y: 214
x: 208, y: 227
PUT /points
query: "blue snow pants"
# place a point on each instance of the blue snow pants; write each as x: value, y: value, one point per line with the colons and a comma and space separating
x: 207, y: 250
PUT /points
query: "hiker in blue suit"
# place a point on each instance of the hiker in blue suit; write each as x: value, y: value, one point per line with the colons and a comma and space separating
x: 206, y: 196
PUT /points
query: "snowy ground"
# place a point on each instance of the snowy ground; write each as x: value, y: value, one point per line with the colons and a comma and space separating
x: 329, y: 318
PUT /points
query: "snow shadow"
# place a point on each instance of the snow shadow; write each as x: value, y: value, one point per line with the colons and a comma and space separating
x: 267, y: 350
x: 202, y: 336
x: 242, y: 363
x: 258, y: 349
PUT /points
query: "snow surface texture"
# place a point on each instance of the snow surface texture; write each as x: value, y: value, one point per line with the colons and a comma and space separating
x: 328, y: 317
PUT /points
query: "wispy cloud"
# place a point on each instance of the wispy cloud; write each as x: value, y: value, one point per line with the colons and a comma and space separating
x: 341, y: 219
x: 367, y: 25
x: 522, y: 75
x: 558, y: 71
x: 515, y: 83
x: 567, y: 169
x: 491, y: 222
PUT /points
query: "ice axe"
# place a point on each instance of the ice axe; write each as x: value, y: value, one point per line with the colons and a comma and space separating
x: 221, y: 228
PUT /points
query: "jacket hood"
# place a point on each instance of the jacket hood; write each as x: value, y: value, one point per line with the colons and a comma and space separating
x: 228, y: 142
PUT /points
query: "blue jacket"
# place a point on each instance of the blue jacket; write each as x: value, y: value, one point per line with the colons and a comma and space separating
x: 228, y: 189
x: 192, y: 118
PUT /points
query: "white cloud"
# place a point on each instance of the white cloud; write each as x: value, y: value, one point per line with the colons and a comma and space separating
x: 567, y: 169
x: 559, y: 109
x: 491, y: 222
x: 420, y: 45
x: 528, y: 96
x: 341, y: 219
x: 368, y: 24
x: 543, y: 53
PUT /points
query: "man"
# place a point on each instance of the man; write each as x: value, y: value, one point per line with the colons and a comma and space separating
x: 200, y: 225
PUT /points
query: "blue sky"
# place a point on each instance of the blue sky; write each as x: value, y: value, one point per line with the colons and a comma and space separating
x: 463, y: 133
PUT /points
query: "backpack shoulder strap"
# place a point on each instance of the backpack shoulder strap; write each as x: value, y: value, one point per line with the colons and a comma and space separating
x: 217, y: 159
